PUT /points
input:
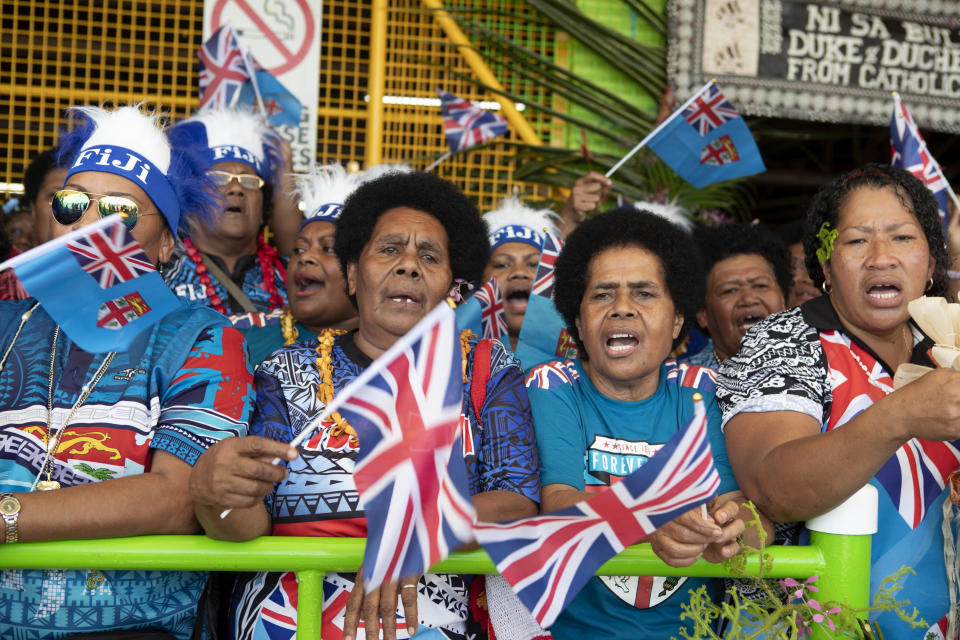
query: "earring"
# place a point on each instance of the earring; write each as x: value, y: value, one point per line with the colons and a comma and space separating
x: 454, y: 296
x: 929, y: 284
x: 825, y: 288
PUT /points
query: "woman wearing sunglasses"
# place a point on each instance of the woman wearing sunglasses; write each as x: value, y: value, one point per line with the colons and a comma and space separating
x: 225, y: 262
x: 99, y: 445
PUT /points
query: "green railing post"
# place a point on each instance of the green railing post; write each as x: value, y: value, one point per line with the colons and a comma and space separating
x: 843, y: 536
x: 309, y: 604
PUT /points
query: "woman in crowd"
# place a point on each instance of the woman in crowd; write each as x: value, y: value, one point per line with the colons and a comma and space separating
x: 225, y: 262
x: 801, y: 287
x: 402, y: 241
x: 748, y: 277
x: 516, y: 236
x: 99, y: 445
x: 42, y: 178
x: 809, y: 408
x: 316, y: 291
x: 628, y: 287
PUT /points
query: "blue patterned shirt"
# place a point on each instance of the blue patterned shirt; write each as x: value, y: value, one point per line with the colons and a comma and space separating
x: 181, y: 276
x: 179, y: 388
x: 319, y: 498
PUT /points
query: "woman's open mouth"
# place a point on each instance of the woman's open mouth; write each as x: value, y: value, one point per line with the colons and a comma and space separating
x: 884, y: 294
x: 748, y: 321
x: 516, y: 301
x: 621, y: 342
x: 307, y: 285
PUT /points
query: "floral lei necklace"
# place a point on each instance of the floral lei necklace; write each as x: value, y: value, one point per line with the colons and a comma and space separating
x: 288, y: 326
x: 271, y: 268
x: 325, y: 368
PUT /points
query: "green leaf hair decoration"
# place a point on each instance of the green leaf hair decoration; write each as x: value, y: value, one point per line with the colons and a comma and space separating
x: 827, y: 238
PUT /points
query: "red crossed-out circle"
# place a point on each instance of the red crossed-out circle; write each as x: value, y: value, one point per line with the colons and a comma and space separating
x: 290, y: 59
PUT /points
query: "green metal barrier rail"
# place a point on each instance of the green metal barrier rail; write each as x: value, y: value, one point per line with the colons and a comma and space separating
x: 842, y: 562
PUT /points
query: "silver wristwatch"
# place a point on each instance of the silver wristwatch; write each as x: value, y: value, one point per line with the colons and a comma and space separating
x: 10, y: 512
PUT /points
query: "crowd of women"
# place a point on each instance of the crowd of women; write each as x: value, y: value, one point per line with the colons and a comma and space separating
x: 166, y: 435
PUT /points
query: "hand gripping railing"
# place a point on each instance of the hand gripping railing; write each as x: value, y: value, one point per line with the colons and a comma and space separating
x: 839, y: 554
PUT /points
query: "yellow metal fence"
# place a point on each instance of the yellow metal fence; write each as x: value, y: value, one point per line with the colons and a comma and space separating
x: 56, y: 54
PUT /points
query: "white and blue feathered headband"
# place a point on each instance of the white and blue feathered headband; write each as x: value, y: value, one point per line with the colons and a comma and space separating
x: 323, y: 192
x: 131, y: 144
x: 231, y: 135
x: 515, y: 222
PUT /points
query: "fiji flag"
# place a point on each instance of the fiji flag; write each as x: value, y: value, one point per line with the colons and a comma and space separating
x: 910, y: 152
x: 412, y: 482
x: 280, y: 106
x: 547, y: 559
x: 706, y: 140
x: 544, y: 335
x: 97, y: 284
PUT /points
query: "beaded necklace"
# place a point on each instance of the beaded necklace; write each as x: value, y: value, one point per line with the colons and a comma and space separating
x: 271, y: 268
x: 325, y: 368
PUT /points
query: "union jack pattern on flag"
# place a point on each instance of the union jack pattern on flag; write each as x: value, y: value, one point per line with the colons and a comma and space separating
x: 493, y: 318
x: 547, y: 559
x: 917, y: 473
x: 691, y: 375
x: 405, y: 408
x: 552, y: 374
x: 111, y: 256
x: 543, y: 282
x: 910, y: 152
x: 709, y: 110
x: 465, y: 124
x: 222, y: 69
x: 720, y: 151
x: 279, y: 611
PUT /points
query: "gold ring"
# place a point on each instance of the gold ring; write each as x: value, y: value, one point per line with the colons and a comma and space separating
x: 408, y: 586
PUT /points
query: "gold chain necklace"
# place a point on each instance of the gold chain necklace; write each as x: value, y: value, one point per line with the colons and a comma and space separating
x: 325, y: 368
x: 716, y: 357
x: 50, y: 457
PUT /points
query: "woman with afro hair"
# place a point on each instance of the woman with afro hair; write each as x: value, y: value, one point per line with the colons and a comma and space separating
x: 628, y: 288
x: 403, y: 241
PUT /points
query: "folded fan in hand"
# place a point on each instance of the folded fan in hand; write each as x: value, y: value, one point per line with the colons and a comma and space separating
x: 941, y: 321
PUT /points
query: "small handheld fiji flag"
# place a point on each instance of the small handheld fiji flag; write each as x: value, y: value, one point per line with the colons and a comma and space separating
x: 279, y: 105
x: 544, y: 335
x: 548, y: 559
x: 706, y: 140
x: 97, y: 284
x: 465, y: 124
x: 405, y: 408
x: 910, y: 152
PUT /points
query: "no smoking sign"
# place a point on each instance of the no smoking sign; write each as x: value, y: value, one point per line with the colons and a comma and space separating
x: 279, y: 33
x: 284, y: 37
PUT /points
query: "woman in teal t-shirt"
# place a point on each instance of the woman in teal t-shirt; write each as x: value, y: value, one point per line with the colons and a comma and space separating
x: 628, y: 287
